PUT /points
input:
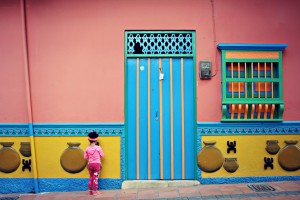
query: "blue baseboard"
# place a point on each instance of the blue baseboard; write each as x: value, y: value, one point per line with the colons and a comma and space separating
x: 16, y: 185
x: 75, y: 184
x: 26, y: 185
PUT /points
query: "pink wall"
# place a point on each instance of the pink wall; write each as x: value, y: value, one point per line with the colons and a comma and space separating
x: 76, y: 51
x: 13, y: 106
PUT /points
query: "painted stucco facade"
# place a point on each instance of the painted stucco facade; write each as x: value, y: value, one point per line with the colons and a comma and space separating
x: 62, y: 74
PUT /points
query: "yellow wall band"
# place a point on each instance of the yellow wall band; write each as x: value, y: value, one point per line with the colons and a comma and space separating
x: 250, y: 153
x: 50, y: 149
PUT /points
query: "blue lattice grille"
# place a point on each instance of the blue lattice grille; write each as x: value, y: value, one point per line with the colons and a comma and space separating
x: 159, y: 43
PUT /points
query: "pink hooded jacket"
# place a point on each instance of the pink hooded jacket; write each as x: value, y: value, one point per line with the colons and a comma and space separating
x: 94, y: 154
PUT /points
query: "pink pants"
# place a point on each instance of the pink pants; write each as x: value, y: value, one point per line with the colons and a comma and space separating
x: 94, y: 170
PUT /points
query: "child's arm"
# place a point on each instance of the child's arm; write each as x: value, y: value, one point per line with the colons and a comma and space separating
x: 101, y: 152
x: 86, y: 155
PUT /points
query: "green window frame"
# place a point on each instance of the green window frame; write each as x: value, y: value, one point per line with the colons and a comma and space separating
x: 252, y: 87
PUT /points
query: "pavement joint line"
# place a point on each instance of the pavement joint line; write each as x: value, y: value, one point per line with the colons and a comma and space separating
x: 209, y: 197
x: 294, y: 192
x: 224, y: 196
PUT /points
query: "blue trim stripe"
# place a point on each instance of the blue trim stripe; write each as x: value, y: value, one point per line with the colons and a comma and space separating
x: 143, y: 118
x: 216, y: 128
x: 14, y: 129
x: 131, y: 64
x: 117, y: 128
x: 177, y: 118
x: 60, y: 129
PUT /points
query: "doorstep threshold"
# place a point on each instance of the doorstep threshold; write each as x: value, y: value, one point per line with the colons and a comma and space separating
x: 134, y: 184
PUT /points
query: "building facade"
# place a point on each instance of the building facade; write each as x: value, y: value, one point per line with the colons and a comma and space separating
x: 177, y: 90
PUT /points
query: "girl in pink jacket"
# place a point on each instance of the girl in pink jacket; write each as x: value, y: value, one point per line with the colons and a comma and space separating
x: 93, y: 154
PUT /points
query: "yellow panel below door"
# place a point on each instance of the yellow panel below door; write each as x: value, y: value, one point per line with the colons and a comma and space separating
x: 49, y: 150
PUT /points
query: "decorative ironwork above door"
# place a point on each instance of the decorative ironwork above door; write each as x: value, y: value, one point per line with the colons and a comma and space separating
x: 160, y: 43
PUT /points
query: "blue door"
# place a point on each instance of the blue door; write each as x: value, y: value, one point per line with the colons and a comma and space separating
x: 160, y: 118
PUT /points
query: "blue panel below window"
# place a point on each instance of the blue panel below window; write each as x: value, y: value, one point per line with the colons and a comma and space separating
x: 257, y: 47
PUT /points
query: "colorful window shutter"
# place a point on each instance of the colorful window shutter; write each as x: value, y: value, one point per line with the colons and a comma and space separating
x: 252, y: 82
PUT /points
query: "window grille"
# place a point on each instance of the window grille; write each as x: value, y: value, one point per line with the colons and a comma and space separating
x: 252, y: 83
x: 159, y: 43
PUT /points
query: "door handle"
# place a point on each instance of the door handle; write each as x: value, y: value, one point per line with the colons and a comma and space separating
x: 156, y: 115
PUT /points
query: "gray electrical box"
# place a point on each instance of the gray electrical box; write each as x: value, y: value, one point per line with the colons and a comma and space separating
x: 205, y: 70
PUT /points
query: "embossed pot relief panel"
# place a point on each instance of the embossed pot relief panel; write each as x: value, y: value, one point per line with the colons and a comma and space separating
x: 289, y: 156
x: 9, y: 158
x: 247, y: 155
x: 210, y: 158
x: 72, y: 159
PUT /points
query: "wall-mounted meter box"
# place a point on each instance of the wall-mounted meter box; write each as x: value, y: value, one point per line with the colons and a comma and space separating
x: 205, y: 70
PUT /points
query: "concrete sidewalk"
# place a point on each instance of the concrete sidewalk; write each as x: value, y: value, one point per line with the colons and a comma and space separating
x: 286, y: 190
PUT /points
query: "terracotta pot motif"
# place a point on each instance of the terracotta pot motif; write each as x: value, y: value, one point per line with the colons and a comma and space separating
x: 272, y: 146
x: 231, y: 164
x: 72, y: 159
x: 289, y: 156
x: 210, y: 158
x: 25, y: 149
x: 9, y: 158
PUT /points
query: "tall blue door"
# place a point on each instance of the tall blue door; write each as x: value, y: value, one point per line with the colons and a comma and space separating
x: 160, y: 118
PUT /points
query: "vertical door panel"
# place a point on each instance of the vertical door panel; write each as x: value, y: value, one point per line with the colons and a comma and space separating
x: 166, y: 118
x: 131, y: 117
x: 189, y: 118
x: 177, y: 118
x: 154, y: 118
x: 143, y: 107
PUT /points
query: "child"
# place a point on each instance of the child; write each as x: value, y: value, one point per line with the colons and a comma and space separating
x: 93, y: 153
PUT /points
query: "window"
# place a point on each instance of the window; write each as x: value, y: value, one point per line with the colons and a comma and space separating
x: 252, y: 82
